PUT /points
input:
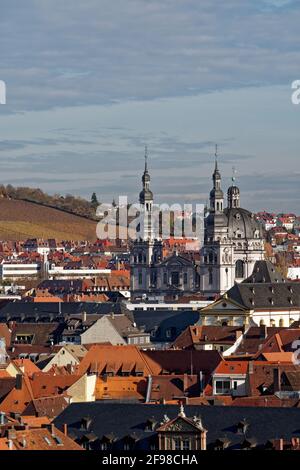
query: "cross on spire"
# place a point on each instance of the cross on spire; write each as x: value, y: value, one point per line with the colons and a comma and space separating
x: 233, y: 174
x: 146, y: 158
x: 216, y: 157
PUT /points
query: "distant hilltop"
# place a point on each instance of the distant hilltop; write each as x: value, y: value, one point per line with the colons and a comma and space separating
x: 22, y: 219
x: 68, y: 203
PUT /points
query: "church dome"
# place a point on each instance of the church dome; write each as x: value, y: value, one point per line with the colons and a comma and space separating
x: 233, y: 191
x: 242, y: 224
x: 217, y: 220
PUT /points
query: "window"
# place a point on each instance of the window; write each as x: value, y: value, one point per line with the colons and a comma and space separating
x: 222, y: 387
x: 186, y: 445
x: 185, y: 278
x: 175, y: 278
x: 177, y: 443
x: 181, y: 444
x: 210, y: 280
x: 165, y: 278
x: 140, y: 279
x: 239, y: 269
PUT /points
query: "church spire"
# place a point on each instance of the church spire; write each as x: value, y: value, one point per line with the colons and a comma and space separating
x: 146, y: 158
x: 216, y: 194
x: 233, y: 193
x: 146, y: 200
x: 216, y: 158
x: 146, y: 179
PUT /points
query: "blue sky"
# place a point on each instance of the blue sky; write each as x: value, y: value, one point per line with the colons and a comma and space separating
x: 89, y: 83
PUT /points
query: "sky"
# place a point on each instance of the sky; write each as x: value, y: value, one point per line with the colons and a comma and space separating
x: 91, y: 82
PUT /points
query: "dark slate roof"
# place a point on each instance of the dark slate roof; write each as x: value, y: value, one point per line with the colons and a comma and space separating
x: 15, y: 310
x: 125, y: 419
x: 62, y: 285
x: 264, y: 271
x: 266, y: 295
x: 163, y: 320
x: 42, y: 332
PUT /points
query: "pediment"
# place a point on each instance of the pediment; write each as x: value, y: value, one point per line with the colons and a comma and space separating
x: 223, y: 305
x: 179, y: 424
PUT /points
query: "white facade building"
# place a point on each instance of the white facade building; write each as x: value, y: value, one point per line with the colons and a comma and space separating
x: 233, y: 240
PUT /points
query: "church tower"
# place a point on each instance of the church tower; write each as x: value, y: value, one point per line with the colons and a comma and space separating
x: 146, y: 201
x: 214, y: 271
x: 233, y: 240
x: 216, y: 194
x: 147, y: 250
x: 233, y: 193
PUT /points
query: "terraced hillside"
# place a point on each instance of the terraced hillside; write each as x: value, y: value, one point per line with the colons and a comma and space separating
x: 21, y: 219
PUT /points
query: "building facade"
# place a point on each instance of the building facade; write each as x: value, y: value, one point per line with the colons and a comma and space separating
x: 151, y: 275
x: 233, y: 240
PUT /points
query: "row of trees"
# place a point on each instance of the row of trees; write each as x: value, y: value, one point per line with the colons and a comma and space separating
x: 68, y: 203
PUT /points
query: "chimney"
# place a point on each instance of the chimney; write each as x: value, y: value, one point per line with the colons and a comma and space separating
x: 2, y: 418
x: 19, y: 382
x: 238, y: 334
x: 185, y: 382
x: 250, y: 367
x: 264, y: 331
x: 84, y: 316
x: 65, y: 429
x: 276, y: 379
x: 11, y: 434
x: 10, y: 444
x: 52, y: 427
x: 281, y: 444
x: 201, y: 382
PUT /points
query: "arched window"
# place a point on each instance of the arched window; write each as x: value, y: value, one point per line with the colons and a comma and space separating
x: 239, y: 269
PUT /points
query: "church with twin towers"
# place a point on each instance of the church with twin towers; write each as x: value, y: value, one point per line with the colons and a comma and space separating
x: 233, y: 242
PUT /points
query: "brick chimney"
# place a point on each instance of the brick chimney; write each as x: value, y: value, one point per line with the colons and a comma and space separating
x: 264, y: 331
x: 185, y: 382
x: 238, y: 334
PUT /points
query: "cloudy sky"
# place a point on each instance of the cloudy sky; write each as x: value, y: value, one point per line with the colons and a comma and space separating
x: 90, y: 82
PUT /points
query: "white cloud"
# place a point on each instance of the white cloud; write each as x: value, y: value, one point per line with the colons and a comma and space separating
x: 70, y: 53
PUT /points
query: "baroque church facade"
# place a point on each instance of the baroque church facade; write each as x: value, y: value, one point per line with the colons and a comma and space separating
x: 233, y: 242
x: 152, y: 275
